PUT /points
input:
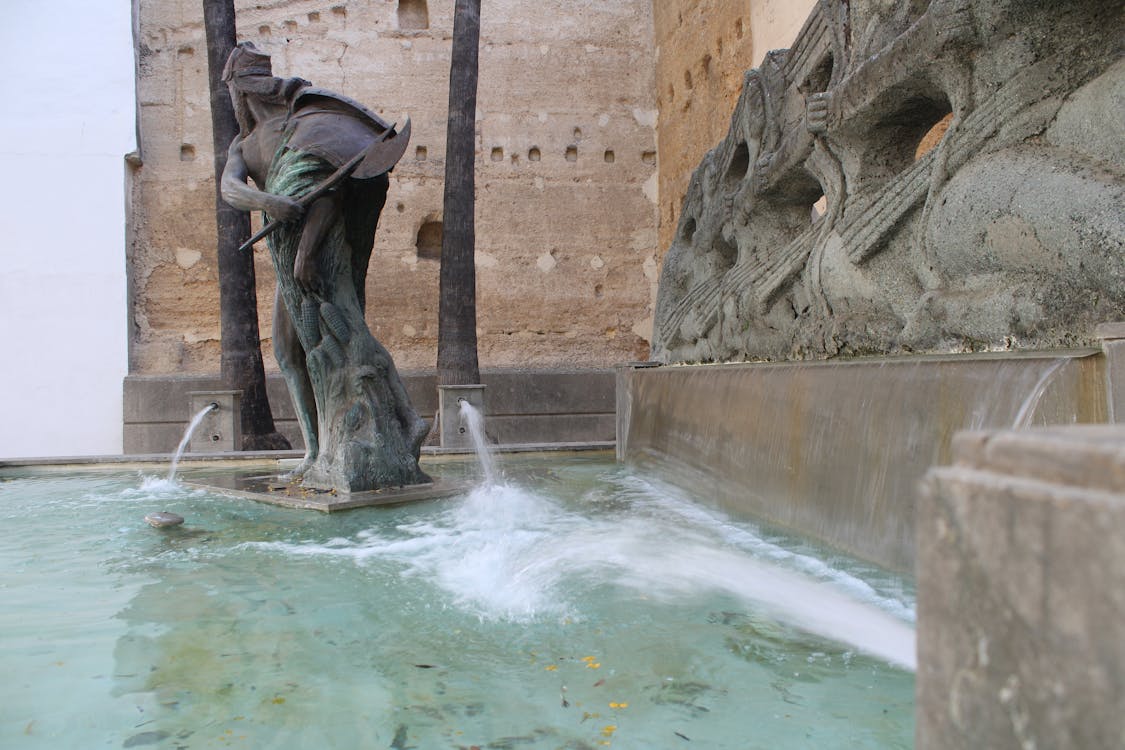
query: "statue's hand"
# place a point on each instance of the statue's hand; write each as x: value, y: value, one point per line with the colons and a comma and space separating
x: 305, y: 274
x: 817, y: 112
x: 283, y: 208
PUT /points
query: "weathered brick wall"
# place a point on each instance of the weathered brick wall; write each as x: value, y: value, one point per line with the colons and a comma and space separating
x: 703, y: 48
x: 566, y: 184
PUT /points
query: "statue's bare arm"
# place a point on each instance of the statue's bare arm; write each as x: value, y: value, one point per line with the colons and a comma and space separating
x: 238, y: 193
x: 321, y: 215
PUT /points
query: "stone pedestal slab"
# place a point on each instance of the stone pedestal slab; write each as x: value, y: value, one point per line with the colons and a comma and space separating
x: 269, y: 488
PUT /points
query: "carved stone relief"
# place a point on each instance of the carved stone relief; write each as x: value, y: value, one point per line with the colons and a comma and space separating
x: 822, y: 226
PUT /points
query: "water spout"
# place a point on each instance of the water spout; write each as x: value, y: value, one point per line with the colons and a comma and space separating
x: 474, y: 422
x: 187, y: 437
x: 1031, y: 403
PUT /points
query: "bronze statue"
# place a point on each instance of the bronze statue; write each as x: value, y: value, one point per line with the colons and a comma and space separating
x: 320, y: 162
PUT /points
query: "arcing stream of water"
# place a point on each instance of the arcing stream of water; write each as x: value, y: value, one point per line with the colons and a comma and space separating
x: 655, y: 555
x: 474, y: 422
x: 187, y: 438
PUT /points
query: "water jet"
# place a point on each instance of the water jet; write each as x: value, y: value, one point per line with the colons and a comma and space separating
x: 188, y: 433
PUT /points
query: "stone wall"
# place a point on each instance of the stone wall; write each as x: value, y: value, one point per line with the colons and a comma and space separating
x: 703, y: 50
x: 566, y: 187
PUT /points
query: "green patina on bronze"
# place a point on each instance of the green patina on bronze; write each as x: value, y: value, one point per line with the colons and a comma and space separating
x: 370, y: 435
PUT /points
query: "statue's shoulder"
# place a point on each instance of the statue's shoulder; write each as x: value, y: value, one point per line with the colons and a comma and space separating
x: 330, y: 125
x: 314, y: 97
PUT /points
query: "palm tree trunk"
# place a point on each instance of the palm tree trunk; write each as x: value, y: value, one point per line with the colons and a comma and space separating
x: 457, y: 308
x: 241, y: 359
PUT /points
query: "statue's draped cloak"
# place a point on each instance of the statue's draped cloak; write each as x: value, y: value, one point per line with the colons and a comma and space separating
x: 370, y: 436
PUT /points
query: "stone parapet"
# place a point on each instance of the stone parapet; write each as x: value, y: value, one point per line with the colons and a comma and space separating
x: 522, y: 406
x: 1021, y: 592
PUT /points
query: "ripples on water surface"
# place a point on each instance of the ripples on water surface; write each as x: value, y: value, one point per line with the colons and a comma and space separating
x: 574, y: 605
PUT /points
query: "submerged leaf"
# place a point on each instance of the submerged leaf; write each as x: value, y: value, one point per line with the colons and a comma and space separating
x: 144, y: 738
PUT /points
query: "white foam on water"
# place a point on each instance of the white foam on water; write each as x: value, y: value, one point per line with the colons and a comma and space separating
x: 508, y: 553
x: 149, y: 489
x: 669, y: 499
x: 808, y: 604
x: 158, y: 486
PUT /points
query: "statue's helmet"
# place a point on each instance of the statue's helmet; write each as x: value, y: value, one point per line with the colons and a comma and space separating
x: 247, y: 61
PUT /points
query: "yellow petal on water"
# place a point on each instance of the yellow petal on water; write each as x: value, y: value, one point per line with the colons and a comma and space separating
x: 551, y: 667
x: 278, y: 700
x: 589, y: 658
x: 609, y: 729
x: 618, y: 705
x: 593, y: 665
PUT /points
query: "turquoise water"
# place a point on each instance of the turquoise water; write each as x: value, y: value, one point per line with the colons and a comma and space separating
x: 573, y: 605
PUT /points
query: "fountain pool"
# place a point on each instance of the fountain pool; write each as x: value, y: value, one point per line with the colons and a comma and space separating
x: 573, y: 604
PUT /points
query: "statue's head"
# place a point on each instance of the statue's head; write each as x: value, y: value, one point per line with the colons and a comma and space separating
x: 248, y: 73
x: 246, y: 61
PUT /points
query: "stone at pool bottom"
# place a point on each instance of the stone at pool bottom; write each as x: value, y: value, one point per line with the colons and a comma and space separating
x: 163, y: 519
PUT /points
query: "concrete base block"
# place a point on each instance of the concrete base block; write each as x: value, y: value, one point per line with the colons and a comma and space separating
x: 454, y: 434
x: 221, y: 428
x: 1021, y: 592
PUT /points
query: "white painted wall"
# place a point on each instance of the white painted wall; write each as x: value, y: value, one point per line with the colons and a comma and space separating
x: 66, y: 121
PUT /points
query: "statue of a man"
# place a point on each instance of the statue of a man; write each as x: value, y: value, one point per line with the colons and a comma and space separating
x: 361, y: 431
